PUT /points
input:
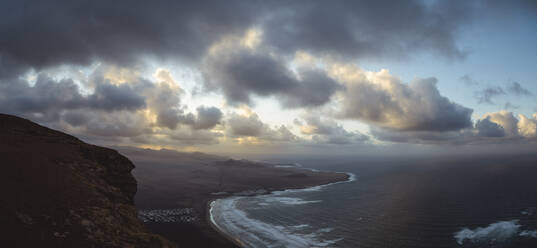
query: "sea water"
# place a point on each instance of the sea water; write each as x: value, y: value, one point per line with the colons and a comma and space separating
x: 391, y: 204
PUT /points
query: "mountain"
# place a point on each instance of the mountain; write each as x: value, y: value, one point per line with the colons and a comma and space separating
x: 57, y: 191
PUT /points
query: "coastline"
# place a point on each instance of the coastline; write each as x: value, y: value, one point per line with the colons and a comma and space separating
x: 217, y: 228
x: 210, y: 204
x: 174, y: 180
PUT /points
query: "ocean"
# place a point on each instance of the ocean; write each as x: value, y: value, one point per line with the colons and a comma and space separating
x: 463, y: 202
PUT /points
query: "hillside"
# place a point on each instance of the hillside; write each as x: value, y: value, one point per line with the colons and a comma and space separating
x: 58, y: 191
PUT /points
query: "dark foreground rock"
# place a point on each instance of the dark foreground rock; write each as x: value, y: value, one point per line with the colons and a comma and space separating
x: 57, y: 191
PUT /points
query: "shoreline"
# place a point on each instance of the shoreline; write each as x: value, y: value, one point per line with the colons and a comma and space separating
x: 235, y: 240
x: 184, y: 180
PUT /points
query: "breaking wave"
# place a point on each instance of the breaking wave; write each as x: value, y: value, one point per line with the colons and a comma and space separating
x: 232, y: 221
x: 255, y: 233
x: 496, y: 232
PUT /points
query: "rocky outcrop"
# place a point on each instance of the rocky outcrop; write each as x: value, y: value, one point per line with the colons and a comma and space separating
x: 57, y: 191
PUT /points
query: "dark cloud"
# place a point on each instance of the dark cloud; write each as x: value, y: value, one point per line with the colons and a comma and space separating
x: 116, y: 97
x: 487, y: 128
x: 241, y: 73
x: 313, y: 89
x: 386, y: 102
x: 102, y: 124
x: 252, y: 126
x: 368, y: 28
x: 245, y: 126
x: 510, y: 9
x: 41, y: 34
x: 516, y: 89
x: 486, y: 95
x: 47, y: 98
x: 329, y: 132
x: 494, y: 128
x: 75, y: 118
x: 207, y: 118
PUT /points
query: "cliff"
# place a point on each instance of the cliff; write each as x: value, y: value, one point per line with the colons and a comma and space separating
x: 57, y: 191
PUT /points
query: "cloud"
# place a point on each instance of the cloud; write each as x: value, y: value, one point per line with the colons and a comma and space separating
x: 328, y: 131
x: 510, y: 9
x: 207, y: 118
x: 424, y: 137
x: 250, y: 126
x: 358, y: 29
x: 518, y: 90
x: 241, y: 72
x: 381, y: 99
x: 509, y: 105
x: 177, y: 138
x: 164, y: 101
x: 527, y: 127
x: 466, y: 79
x: 116, y: 97
x: 492, y: 128
x: 506, y: 120
x: 243, y: 49
x: 114, y: 106
x: 122, y: 32
x: 487, y: 128
x: 120, y: 124
x: 486, y: 95
x: 47, y: 98
x: 245, y: 125
x: 119, y: 32
x: 196, y: 137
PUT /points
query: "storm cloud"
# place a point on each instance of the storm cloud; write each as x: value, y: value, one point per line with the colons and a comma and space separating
x: 79, y: 32
x: 42, y: 34
x: 242, y: 72
x: 368, y: 28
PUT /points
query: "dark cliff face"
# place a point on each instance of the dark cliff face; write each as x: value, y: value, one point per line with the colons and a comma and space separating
x: 57, y: 191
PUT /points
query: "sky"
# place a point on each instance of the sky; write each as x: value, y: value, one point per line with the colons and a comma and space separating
x: 276, y: 77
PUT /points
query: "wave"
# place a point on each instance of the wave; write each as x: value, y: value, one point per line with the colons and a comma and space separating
x: 528, y: 233
x: 230, y: 220
x: 255, y: 233
x: 351, y: 178
x: 286, y: 200
x: 500, y: 231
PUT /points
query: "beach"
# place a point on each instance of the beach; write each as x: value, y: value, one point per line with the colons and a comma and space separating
x: 172, y: 181
x: 237, y: 234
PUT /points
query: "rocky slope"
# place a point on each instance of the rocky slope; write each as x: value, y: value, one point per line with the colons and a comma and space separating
x: 57, y: 191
